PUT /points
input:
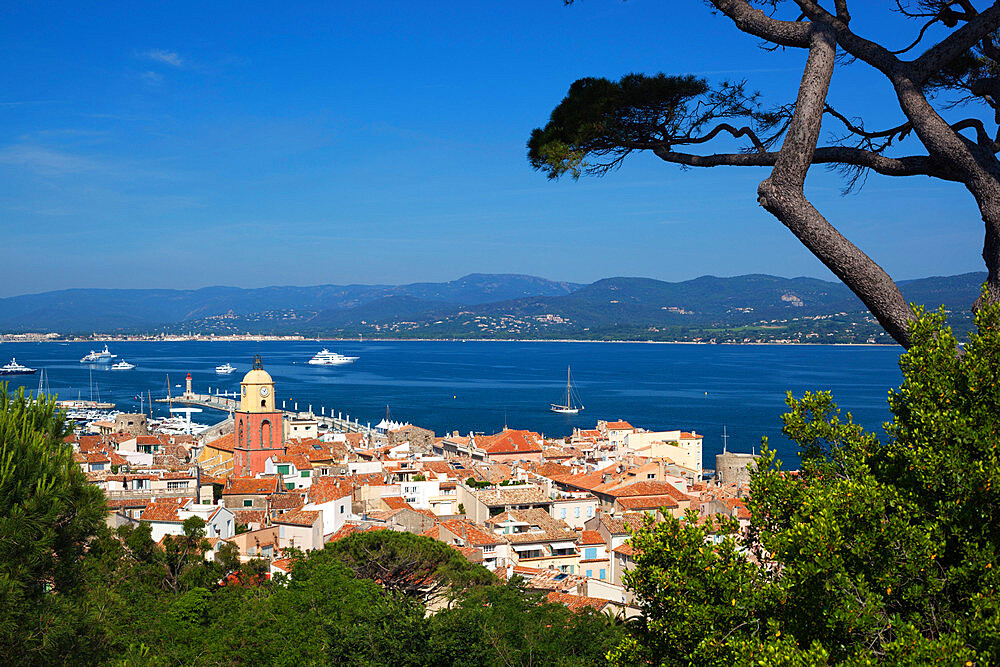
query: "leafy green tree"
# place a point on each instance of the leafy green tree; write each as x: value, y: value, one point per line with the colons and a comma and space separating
x: 504, y: 625
x: 409, y: 564
x: 679, y: 117
x: 48, y: 512
x: 873, y: 551
x: 184, y: 554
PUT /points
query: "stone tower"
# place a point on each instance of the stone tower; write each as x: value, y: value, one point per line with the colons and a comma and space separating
x: 259, y: 432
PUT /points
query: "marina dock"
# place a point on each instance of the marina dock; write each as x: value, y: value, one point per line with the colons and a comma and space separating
x: 340, y: 422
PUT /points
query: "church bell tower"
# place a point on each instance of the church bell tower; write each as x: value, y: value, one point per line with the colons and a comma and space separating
x: 259, y: 430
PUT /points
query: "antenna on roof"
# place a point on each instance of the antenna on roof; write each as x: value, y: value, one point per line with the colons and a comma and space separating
x: 725, y: 439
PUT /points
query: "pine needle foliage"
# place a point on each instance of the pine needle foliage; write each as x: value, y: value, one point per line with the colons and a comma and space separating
x: 48, y: 512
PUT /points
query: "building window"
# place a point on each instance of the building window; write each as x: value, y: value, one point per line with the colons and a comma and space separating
x: 305, y: 473
x: 602, y: 574
x: 590, y: 574
x: 590, y: 511
x: 562, y: 513
x: 289, y: 485
x: 283, y: 470
x: 265, y: 428
x: 590, y: 553
x: 177, y: 485
x: 489, y: 548
x: 341, y: 509
x: 247, y: 503
x: 576, y: 511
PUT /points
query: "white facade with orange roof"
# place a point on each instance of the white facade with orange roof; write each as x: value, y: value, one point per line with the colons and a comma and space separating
x: 681, y: 447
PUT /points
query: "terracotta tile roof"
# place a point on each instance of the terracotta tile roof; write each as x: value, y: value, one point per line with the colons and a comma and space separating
x: 249, y: 486
x: 298, y: 518
x: 226, y: 443
x: 550, y: 579
x: 620, y: 426
x: 350, y: 529
x: 541, y: 527
x: 283, y: 564
x: 474, y: 534
x: 177, y: 475
x: 512, y: 495
x: 689, y: 436
x: 625, y: 549
x: 591, y: 537
x: 510, y: 441
x: 588, y: 481
x: 316, y: 450
x: 622, y: 524
x: 247, y: 517
x: 300, y: 461
x: 162, y: 510
x: 647, y: 503
x: 577, y: 602
x: 396, y: 503
x: 648, y: 488
x: 556, y: 453
x: 287, y: 501
x: 326, y: 489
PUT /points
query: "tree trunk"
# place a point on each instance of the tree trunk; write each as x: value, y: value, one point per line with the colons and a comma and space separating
x: 783, y: 196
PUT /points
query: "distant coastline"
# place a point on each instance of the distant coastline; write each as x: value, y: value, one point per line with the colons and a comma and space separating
x: 41, y: 338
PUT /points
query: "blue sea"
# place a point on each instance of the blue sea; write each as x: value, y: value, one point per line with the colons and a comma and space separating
x: 483, y: 385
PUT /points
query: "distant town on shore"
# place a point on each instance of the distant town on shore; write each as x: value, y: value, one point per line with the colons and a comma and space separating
x: 743, y: 309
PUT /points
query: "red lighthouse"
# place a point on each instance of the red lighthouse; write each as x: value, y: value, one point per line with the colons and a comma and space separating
x: 259, y: 430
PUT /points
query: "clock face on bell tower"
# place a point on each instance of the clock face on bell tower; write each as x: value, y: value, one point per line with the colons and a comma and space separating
x: 257, y: 393
x: 258, y: 424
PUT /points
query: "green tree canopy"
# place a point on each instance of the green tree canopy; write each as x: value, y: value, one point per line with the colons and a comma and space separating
x: 48, y: 512
x: 410, y: 564
x: 876, y: 550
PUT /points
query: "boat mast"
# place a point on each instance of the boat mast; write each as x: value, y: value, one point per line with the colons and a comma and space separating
x: 568, y: 398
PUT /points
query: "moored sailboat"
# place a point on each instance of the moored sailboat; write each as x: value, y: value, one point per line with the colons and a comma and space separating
x: 569, y: 407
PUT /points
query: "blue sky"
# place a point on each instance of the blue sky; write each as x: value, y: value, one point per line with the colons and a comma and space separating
x: 189, y: 144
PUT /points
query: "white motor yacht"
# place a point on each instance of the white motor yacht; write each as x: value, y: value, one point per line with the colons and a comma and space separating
x: 225, y: 369
x: 328, y: 358
x: 102, y: 357
x: 122, y: 366
x: 14, y: 368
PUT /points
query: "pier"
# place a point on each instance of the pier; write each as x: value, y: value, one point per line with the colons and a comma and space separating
x: 340, y: 422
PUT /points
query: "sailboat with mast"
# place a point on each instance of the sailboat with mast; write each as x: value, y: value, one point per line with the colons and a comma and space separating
x: 569, y: 406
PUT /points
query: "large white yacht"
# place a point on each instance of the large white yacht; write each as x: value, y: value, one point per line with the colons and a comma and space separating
x: 225, y: 369
x: 102, y: 357
x: 14, y: 368
x: 328, y: 358
x: 122, y: 366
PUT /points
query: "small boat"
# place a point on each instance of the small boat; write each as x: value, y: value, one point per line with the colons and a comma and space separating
x: 122, y: 366
x: 102, y: 357
x: 225, y: 369
x: 14, y: 368
x: 328, y: 358
x: 568, y: 407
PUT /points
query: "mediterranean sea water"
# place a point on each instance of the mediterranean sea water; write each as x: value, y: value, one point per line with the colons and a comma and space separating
x: 481, y: 386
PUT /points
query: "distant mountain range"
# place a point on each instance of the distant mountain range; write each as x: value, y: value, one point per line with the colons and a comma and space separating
x: 751, y: 307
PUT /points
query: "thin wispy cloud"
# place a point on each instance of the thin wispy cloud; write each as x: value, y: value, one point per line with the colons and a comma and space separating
x: 45, y: 160
x: 151, y: 78
x: 163, y: 56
